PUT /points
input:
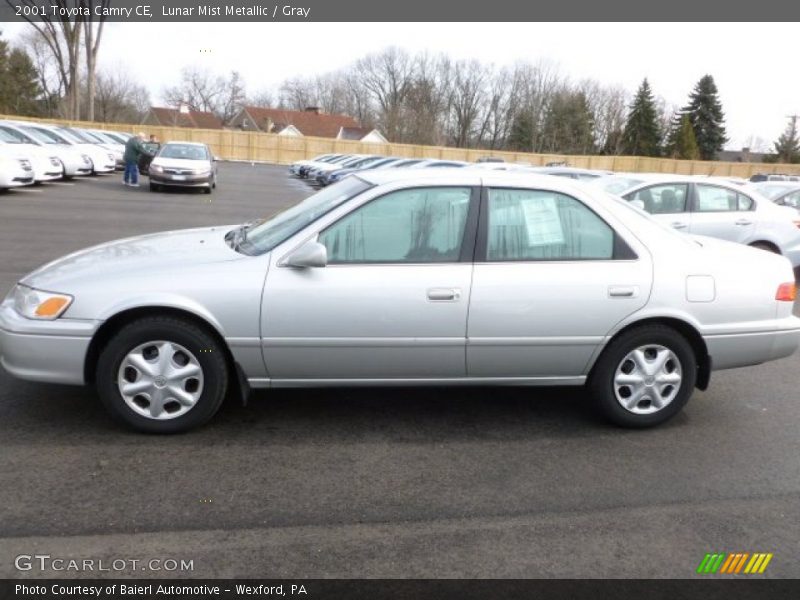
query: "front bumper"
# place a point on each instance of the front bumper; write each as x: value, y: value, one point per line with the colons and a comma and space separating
x: 184, y: 181
x: 49, y: 351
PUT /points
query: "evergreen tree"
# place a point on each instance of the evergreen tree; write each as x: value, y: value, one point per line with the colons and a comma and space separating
x: 521, y: 136
x: 708, y: 120
x: 681, y: 142
x: 569, y: 124
x: 787, y: 148
x: 641, y: 135
x: 19, y: 87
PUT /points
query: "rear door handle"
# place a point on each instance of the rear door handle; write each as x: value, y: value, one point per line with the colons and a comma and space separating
x: 743, y: 222
x: 623, y: 291
x: 678, y: 225
x: 444, y: 294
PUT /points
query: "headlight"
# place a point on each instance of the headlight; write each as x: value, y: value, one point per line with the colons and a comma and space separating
x: 111, y: 156
x: 156, y: 168
x: 86, y: 159
x: 37, y: 304
x: 202, y: 172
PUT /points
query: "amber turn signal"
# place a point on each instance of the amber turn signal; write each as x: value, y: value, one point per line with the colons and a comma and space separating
x: 51, y: 307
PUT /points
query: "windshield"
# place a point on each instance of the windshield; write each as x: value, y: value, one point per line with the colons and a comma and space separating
x: 614, y: 184
x: 184, y: 151
x: 19, y: 136
x: 44, y: 135
x: 92, y: 137
x: 772, y: 190
x: 8, y: 138
x: 80, y: 136
x: 117, y: 139
x: 265, y: 236
x: 66, y: 133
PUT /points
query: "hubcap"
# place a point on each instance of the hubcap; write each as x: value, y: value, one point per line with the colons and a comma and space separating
x: 160, y: 380
x: 647, y: 379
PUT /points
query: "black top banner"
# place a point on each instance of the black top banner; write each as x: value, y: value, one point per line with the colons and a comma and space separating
x: 406, y: 11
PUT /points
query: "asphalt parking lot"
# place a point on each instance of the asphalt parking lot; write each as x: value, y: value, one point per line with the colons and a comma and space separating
x: 484, y: 482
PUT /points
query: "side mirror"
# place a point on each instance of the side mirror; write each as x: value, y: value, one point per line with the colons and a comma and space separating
x: 309, y: 255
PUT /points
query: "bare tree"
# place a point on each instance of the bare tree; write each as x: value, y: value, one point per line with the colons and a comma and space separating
x: 49, y: 77
x: 202, y: 90
x: 466, y: 100
x: 63, y: 39
x: 263, y: 99
x: 388, y: 76
x: 427, y: 101
x: 118, y: 98
x: 92, y: 36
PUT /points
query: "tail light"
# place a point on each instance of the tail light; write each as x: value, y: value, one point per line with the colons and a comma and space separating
x: 787, y: 292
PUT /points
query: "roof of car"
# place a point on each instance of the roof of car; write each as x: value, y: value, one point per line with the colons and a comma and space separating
x: 201, y: 144
x: 471, y: 177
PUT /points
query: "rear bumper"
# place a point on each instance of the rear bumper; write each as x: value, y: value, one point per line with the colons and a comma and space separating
x: 729, y: 351
x: 48, y: 351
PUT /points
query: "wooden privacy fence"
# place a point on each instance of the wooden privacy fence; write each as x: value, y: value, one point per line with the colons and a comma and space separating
x: 231, y: 144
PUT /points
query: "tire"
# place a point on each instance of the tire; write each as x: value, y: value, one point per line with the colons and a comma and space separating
x: 133, y: 356
x: 613, y: 380
x: 764, y: 246
x: 154, y: 187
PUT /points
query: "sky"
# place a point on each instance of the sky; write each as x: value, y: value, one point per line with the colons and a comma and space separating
x: 750, y: 62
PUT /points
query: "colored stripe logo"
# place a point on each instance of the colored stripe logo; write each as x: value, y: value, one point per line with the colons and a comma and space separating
x: 734, y: 563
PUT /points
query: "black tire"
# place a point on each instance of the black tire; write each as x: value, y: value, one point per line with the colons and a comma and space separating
x: 602, y: 380
x: 764, y: 246
x: 206, y: 351
x: 207, y: 190
x: 154, y: 187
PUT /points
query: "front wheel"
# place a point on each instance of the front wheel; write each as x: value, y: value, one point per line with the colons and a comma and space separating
x: 644, y: 377
x: 162, y: 375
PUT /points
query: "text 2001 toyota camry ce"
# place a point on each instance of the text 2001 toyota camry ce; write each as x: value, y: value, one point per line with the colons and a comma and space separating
x: 386, y: 278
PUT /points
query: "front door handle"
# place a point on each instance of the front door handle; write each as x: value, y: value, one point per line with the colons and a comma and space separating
x: 743, y: 222
x: 678, y: 225
x: 444, y: 294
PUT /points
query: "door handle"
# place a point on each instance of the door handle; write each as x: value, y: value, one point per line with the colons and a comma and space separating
x: 678, y: 225
x: 743, y: 222
x: 623, y: 291
x: 444, y: 294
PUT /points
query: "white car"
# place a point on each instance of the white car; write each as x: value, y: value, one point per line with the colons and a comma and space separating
x: 295, y: 167
x: 114, y: 146
x: 46, y: 165
x: 15, y: 169
x: 74, y: 162
x: 103, y: 160
x: 713, y: 207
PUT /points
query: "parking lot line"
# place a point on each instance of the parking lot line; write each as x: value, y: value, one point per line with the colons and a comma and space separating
x: 28, y: 191
x: 61, y: 183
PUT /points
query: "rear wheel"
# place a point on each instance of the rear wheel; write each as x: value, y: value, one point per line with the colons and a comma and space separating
x: 644, y: 377
x: 162, y: 375
x: 154, y: 187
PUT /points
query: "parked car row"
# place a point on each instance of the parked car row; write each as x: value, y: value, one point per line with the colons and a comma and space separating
x: 763, y: 215
x: 32, y: 153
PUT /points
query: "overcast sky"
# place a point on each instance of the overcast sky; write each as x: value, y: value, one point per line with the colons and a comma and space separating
x: 753, y: 63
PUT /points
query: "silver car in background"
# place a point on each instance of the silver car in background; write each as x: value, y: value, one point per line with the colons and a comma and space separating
x: 711, y: 206
x: 403, y: 277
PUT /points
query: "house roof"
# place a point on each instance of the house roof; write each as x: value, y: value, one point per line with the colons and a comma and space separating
x: 192, y: 118
x: 307, y: 122
x: 354, y: 133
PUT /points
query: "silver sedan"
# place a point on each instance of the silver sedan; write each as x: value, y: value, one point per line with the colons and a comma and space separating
x: 404, y: 277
